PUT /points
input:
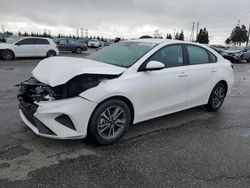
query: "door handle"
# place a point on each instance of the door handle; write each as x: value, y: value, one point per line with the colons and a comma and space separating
x: 213, y: 70
x: 183, y: 74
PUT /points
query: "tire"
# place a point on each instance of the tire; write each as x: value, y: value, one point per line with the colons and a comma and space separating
x: 109, y: 122
x: 51, y: 53
x: 8, y: 54
x: 78, y: 50
x: 217, y: 97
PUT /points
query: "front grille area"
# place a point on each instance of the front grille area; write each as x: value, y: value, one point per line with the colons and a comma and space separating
x: 26, y: 98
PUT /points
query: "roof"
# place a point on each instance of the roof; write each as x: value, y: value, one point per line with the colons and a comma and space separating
x: 158, y: 41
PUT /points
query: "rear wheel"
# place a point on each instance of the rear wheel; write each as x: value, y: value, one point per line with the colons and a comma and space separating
x: 217, y: 97
x: 78, y: 50
x: 7, y: 54
x: 51, y: 53
x: 109, y: 122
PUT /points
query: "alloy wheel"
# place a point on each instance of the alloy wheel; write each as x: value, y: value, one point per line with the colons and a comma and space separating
x: 111, y: 123
x: 218, y: 96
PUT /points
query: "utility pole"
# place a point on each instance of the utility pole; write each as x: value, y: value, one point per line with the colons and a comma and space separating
x: 192, y: 33
x: 81, y: 32
x: 248, y: 36
x: 86, y: 33
x: 238, y: 23
x: 197, y: 30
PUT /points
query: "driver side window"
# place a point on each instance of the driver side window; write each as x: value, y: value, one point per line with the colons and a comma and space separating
x: 28, y: 41
x: 170, y: 56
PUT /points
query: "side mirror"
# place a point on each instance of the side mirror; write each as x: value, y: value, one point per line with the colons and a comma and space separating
x: 154, y: 65
x: 245, y: 50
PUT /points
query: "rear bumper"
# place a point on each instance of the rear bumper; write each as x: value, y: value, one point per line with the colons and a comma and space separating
x: 45, y: 121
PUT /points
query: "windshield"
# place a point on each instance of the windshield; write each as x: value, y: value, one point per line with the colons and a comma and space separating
x: 12, y: 40
x: 236, y: 48
x: 123, y: 54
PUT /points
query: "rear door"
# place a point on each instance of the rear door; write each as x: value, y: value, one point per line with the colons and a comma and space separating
x: 42, y: 46
x: 63, y: 45
x: 72, y: 45
x: 203, y: 74
x: 25, y: 48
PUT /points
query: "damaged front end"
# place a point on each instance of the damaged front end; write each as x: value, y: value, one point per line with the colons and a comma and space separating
x: 33, y: 95
x: 32, y: 91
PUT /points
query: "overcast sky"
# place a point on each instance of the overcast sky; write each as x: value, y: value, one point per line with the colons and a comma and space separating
x: 126, y: 18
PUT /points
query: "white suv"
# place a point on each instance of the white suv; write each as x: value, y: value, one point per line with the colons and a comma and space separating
x: 28, y: 47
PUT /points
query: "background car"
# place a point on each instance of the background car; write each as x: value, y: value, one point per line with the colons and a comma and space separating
x: 28, y: 47
x: 237, y: 54
x: 218, y: 50
x: 125, y: 83
x: 245, y: 56
x: 94, y: 43
x: 71, y: 45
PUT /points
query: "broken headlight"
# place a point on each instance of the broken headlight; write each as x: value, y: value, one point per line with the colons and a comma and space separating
x: 33, y: 90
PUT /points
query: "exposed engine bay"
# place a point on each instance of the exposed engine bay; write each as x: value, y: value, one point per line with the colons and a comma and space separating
x: 32, y: 90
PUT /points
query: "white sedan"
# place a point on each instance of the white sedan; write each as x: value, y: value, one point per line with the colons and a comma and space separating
x: 28, y: 47
x: 122, y: 84
x: 94, y: 43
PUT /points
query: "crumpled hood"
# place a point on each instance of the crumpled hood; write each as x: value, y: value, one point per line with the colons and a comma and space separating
x: 232, y: 51
x: 55, y: 71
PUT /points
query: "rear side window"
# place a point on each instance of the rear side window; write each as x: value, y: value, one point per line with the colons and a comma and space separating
x: 197, y: 55
x: 63, y: 41
x: 72, y: 42
x: 171, y: 56
x: 212, y: 57
x: 41, y: 41
x: 28, y: 41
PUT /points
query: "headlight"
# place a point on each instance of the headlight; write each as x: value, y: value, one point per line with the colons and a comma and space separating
x: 237, y: 54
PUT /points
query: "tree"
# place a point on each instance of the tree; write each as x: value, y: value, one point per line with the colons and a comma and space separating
x: 203, y: 37
x: 228, y: 41
x: 239, y: 34
x: 169, y: 36
x: 176, y: 36
x: 181, y: 36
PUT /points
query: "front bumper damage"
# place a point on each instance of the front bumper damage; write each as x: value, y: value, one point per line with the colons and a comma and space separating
x: 61, y: 119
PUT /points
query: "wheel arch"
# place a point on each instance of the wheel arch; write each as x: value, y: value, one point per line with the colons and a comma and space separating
x: 1, y: 50
x: 224, y: 82
x: 119, y: 97
x: 51, y: 50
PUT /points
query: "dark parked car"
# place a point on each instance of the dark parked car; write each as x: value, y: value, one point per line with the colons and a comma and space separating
x: 218, y: 50
x: 72, y: 45
x: 237, y: 54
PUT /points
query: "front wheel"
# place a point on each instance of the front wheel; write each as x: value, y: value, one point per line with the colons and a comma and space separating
x: 109, y: 122
x: 217, y: 97
x: 7, y: 54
